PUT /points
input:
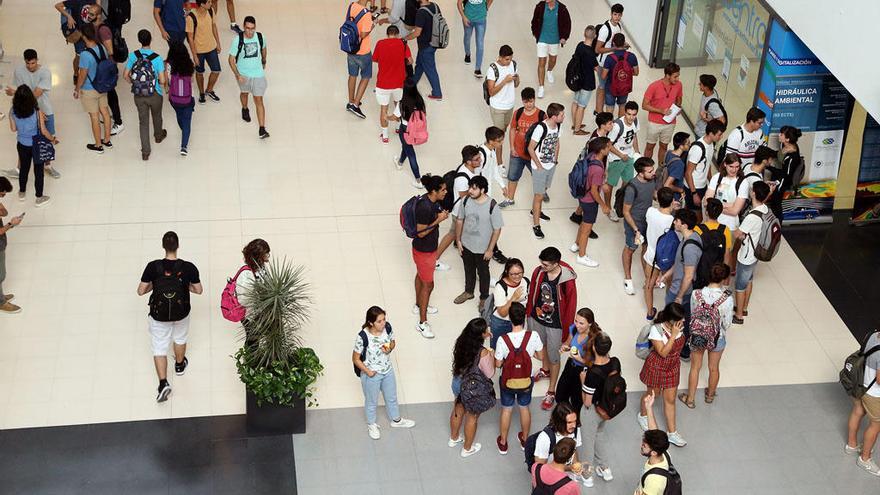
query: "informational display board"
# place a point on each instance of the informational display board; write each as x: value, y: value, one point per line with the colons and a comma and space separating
x: 867, y: 204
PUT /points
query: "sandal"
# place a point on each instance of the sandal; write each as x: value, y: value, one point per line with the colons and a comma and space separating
x: 738, y: 321
x: 710, y: 398
x: 581, y: 132
x: 683, y: 397
x: 745, y: 311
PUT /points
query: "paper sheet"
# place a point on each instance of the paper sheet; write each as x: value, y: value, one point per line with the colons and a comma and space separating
x: 674, y: 111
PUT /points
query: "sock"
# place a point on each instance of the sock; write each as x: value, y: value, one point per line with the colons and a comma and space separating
x: 385, y: 132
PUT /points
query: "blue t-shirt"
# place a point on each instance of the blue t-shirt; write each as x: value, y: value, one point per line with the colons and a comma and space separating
x: 611, y: 62
x: 27, y: 128
x: 158, y: 64
x: 676, y: 168
x: 550, y: 27
x: 90, y: 63
x: 250, y: 63
x: 172, y: 14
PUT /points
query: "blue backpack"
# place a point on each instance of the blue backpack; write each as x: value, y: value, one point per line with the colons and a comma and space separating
x: 106, y: 73
x: 408, y: 217
x: 667, y: 246
x: 349, y: 35
x: 577, y: 178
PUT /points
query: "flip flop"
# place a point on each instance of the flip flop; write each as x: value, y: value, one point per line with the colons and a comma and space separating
x: 684, y: 399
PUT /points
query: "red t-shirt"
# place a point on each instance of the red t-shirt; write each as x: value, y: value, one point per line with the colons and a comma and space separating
x: 660, y: 96
x: 550, y: 476
x: 520, y: 129
x: 391, y: 55
x: 595, y: 177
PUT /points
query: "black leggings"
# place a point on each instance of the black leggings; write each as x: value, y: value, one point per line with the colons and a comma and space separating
x: 568, y: 389
x: 25, y: 157
x: 113, y: 102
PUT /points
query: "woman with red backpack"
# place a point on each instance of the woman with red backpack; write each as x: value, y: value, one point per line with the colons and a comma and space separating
x: 410, y: 105
x: 180, y: 69
x: 711, y: 316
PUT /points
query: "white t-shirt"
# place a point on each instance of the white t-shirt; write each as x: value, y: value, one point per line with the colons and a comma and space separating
x: 243, y: 283
x: 701, y: 171
x: 745, y: 143
x: 659, y: 333
x: 547, y: 150
x: 542, y: 444
x: 750, y: 181
x: 532, y: 346
x: 603, y: 34
x: 658, y: 224
x: 872, y: 364
x: 725, y: 191
x: 461, y: 183
x: 506, y: 98
x: 502, y: 296
x: 491, y: 170
x: 751, y: 227
x: 623, y: 136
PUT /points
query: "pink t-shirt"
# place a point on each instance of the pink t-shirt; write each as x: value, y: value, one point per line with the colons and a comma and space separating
x: 550, y: 476
x: 595, y: 177
x: 660, y: 96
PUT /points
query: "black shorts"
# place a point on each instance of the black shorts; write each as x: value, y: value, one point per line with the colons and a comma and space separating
x: 689, y: 198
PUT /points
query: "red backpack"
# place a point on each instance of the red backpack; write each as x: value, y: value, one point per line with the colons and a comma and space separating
x: 416, y: 129
x: 621, y: 75
x: 516, y: 372
x: 230, y: 307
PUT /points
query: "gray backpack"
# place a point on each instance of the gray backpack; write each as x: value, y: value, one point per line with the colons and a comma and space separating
x: 439, y: 28
x: 852, y: 376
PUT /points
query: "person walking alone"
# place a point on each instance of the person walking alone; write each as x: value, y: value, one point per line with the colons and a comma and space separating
x: 145, y: 71
x: 181, y: 70
x: 247, y: 59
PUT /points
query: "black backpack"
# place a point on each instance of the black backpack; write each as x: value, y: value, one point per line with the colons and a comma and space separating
x: 241, y: 45
x: 619, y: 197
x: 118, y: 13
x: 684, y: 245
x: 169, y: 300
x: 192, y: 15
x: 613, y: 398
x: 542, y: 488
x: 721, y: 151
x: 529, y: 134
x: 365, y: 341
x: 573, y: 73
x: 449, y: 178
x: 673, y: 478
x: 718, y: 101
x: 494, y: 68
x: 120, y: 46
x: 532, y: 440
x: 599, y: 25
x: 516, y: 116
x: 714, y: 247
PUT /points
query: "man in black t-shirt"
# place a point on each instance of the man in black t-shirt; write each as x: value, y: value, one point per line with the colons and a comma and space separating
x: 169, y: 280
x: 428, y: 215
x: 425, y: 61
x: 593, y: 389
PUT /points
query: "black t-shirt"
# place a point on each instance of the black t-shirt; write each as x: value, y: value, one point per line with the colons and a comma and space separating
x: 546, y: 310
x: 425, y: 21
x: 189, y: 271
x: 594, y: 382
x: 426, y: 214
x: 409, y: 12
x: 78, y: 10
x: 588, y: 60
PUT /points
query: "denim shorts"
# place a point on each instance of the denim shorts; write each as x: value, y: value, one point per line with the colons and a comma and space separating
x: 582, y: 98
x: 744, y: 275
x: 456, y: 386
x: 360, y: 65
x: 720, y: 345
x: 611, y: 100
x: 591, y: 211
x: 499, y: 327
x: 213, y: 62
x: 517, y: 166
x: 50, y: 124
x: 630, y: 235
x: 522, y: 398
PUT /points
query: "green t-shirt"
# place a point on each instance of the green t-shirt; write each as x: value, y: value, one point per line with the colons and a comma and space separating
x: 250, y: 63
x: 475, y: 10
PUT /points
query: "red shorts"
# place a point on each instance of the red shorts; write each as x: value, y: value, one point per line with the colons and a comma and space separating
x: 425, y: 264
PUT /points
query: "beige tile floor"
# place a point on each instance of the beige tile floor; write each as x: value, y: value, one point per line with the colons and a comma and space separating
x: 323, y: 192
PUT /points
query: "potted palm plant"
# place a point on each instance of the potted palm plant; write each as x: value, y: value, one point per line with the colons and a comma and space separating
x: 278, y: 371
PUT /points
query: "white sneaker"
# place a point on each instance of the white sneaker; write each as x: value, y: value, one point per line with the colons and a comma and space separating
x: 398, y: 165
x: 587, y: 261
x: 474, y: 449
x: 676, y: 439
x: 612, y: 215
x: 643, y: 422
x: 604, y: 473
x: 425, y: 329
x: 540, y: 91
x: 453, y: 443
x: 431, y: 310
x: 416, y: 183
x: 403, y: 423
x: 573, y: 248
x: 116, y: 129
x: 441, y: 266
x: 852, y: 450
x: 588, y: 482
x: 373, y: 431
x: 629, y: 288
x: 550, y: 78
x: 869, y: 465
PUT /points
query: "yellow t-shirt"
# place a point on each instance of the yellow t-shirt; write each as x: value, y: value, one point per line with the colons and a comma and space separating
x: 713, y: 225
x: 203, y: 36
x: 655, y: 484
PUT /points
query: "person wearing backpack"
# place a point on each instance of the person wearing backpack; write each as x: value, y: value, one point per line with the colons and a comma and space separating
x: 512, y: 287
x: 478, y: 226
x: 684, y: 269
x: 551, y: 478
x: 551, y: 27
x: 428, y: 216
x: 170, y: 17
x: 662, y: 368
x: 638, y: 198
x: 659, y: 476
x: 93, y: 101
x: 204, y: 41
x: 658, y: 101
x: 868, y: 404
x: 473, y: 367
x: 618, y: 70
x: 587, y: 64
x: 169, y: 282
x: 411, y: 102
x: 623, y: 154
x: 591, y: 168
x: 790, y: 169
x: 543, y: 149
x: 711, y: 316
x: 372, y: 360
x: 579, y: 349
x: 714, y: 207
x: 539, y: 447
x: 360, y: 61
x: 699, y: 165
x: 105, y: 35
x: 255, y: 256
x: 749, y: 233
x: 710, y: 107
x: 181, y: 70
x: 674, y: 167
x: 659, y: 220
x: 605, y: 32
x: 523, y: 119
x: 593, y: 393
x: 726, y: 185
x: 247, y: 59
x: 145, y: 71
x: 501, y: 82
x: 473, y: 17
x: 513, y: 354
x: 745, y: 139
x: 423, y: 32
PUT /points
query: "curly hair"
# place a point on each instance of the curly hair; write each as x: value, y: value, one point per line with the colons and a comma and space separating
x: 468, y: 346
x: 255, y: 253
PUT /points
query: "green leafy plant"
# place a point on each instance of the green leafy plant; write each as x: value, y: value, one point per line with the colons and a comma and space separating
x: 273, y: 364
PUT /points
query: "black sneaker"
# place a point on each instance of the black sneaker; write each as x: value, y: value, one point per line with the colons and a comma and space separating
x: 202, y: 98
x: 107, y: 144
x: 235, y: 28
x: 263, y: 133
x: 96, y: 149
x: 543, y: 216
x: 245, y: 114
x: 576, y: 218
x: 467, y: 59
x: 539, y: 234
x: 180, y: 368
x: 212, y: 95
x: 357, y: 111
x: 164, y: 392
x: 593, y: 234
x: 478, y: 74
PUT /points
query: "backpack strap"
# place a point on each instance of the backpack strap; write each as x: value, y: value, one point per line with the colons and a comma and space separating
x: 365, y: 342
x: 138, y: 55
x: 495, y: 69
x: 508, y: 343
x: 243, y: 268
x: 686, y: 242
x: 702, y: 147
x: 152, y: 56
x: 618, y: 121
x: 192, y: 15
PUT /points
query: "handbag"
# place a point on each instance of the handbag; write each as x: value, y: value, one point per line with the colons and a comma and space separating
x: 44, y: 150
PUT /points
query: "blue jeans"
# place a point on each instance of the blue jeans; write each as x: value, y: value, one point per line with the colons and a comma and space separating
x: 480, y: 27
x: 427, y: 65
x: 499, y: 327
x: 408, y: 152
x: 184, y: 120
x: 50, y: 124
x: 386, y: 384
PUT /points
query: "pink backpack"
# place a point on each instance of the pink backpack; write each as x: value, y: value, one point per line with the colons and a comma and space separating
x: 180, y: 90
x: 230, y: 307
x: 416, y: 129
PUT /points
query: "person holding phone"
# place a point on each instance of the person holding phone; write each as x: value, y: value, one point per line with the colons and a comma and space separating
x: 6, y: 306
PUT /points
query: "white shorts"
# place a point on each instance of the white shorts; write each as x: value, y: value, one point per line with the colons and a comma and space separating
x: 544, y: 49
x: 386, y: 96
x: 162, y: 332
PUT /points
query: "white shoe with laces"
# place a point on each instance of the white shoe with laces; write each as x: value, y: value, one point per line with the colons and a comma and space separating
x: 588, y: 481
x: 587, y: 261
x: 869, y: 465
x: 604, y: 473
x: 676, y: 439
x: 550, y: 78
x: 474, y: 449
x: 540, y: 91
x: 397, y: 164
x: 403, y: 423
x: 431, y: 310
x: 373, y: 431
x: 852, y: 450
x: 425, y: 330
x: 573, y: 248
x: 452, y: 443
x: 629, y: 288
x: 416, y: 183
x: 441, y: 266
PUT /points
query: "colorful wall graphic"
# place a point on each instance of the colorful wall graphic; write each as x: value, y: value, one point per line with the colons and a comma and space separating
x: 867, y: 204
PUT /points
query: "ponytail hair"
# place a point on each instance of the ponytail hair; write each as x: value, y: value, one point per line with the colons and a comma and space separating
x: 593, y: 331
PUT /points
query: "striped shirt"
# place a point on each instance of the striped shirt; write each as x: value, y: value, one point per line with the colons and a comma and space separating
x: 745, y: 143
